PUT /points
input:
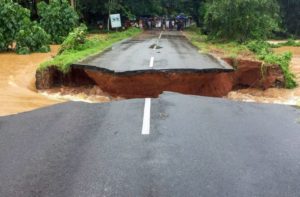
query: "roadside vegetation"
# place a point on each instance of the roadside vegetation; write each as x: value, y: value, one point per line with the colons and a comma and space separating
x: 251, y: 49
x: 17, y: 28
x: 32, y: 38
x: 241, y: 20
x: 58, y: 23
x: 240, y: 29
x: 18, y: 32
x: 58, y: 18
x: 77, y: 47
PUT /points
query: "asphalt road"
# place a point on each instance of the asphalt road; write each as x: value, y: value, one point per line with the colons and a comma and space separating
x: 196, y: 146
x: 168, y: 50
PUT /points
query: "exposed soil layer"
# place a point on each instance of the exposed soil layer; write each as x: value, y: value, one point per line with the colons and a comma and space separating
x: 52, y: 78
x: 274, y: 95
x: 216, y: 83
x: 255, y: 74
x: 152, y: 84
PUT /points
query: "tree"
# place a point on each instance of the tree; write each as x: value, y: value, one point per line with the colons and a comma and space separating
x: 32, y: 38
x: 196, y: 9
x: 290, y: 10
x: 58, y: 18
x: 241, y: 19
x: 12, y: 17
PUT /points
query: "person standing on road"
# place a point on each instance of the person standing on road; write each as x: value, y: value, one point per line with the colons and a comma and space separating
x: 164, y: 24
x: 149, y: 23
x: 168, y: 24
x: 141, y: 24
x: 173, y: 24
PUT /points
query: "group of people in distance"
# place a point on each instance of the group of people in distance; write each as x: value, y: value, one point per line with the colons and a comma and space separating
x: 163, y: 23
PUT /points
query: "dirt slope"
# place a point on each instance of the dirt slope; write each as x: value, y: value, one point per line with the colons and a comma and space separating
x: 274, y: 95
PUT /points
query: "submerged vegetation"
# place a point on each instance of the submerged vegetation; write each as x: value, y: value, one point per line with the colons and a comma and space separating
x: 73, y: 51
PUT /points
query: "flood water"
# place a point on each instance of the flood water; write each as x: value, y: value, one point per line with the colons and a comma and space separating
x: 274, y: 95
x: 17, y: 82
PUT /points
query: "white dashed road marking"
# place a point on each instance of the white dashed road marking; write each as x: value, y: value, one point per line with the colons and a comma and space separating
x: 147, y: 117
x: 151, y: 62
x: 147, y: 108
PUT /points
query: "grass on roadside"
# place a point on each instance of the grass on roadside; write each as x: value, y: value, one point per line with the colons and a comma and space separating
x: 226, y: 49
x: 93, y: 45
x: 257, y: 50
x: 264, y: 52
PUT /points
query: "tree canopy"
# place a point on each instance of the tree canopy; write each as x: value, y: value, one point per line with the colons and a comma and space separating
x: 290, y: 10
x: 242, y: 19
x: 257, y: 15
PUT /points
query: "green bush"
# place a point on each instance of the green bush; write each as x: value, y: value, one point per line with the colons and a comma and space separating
x: 283, y: 61
x: 76, y: 38
x: 12, y: 17
x: 259, y: 46
x: 241, y: 20
x: 90, y: 47
x: 58, y: 18
x: 32, y: 38
x: 264, y: 53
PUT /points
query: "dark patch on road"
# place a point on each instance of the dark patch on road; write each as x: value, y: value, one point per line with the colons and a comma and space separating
x: 155, y: 46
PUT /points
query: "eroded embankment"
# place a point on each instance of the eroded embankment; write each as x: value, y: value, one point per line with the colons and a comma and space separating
x: 151, y: 83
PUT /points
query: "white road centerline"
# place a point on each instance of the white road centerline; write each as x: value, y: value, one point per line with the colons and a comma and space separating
x: 160, y: 35
x: 147, y: 108
x: 147, y: 117
x: 157, y: 41
x: 151, y: 62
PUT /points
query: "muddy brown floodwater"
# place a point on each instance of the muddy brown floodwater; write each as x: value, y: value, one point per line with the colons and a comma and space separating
x: 17, y: 82
x: 274, y: 95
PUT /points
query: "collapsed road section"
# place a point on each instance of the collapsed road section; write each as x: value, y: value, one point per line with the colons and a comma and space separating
x: 151, y: 83
x: 147, y: 66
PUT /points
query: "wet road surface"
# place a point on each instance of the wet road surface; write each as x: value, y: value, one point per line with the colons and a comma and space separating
x: 196, y: 146
x: 154, y: 51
